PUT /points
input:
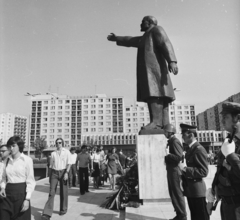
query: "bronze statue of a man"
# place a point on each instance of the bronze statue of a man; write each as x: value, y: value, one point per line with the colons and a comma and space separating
x: 155, y: 59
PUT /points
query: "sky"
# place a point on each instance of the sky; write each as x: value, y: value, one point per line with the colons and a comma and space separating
x: 61, y: 46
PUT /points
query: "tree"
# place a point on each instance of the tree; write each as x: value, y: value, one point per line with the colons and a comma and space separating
x: 40, y: 144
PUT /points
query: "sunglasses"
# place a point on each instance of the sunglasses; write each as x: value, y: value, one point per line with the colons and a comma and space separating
x: 59, y: 142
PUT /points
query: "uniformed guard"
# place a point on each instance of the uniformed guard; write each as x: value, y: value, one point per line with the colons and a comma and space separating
x: 226, y: 183
x: 194, y: 169
x: 174, y: 155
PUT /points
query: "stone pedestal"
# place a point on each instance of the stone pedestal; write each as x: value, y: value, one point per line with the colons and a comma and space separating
x: 151, y: 168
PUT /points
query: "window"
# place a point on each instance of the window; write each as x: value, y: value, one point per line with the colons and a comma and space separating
x: 66, y: 136
x: 66, y: 124
x: 100, y: 123
x: 108, y: 111
x: 172, y: 118
x: 52, y: 107
x: 108, y: 129
x: 44, y: 113
x: 67, y: 107
x: 108, y: 117
x: 100, y: 100
x: 59, y: 124
x: 66, y: 130
x: 85, y: 100
x: 85, y: 106
x: 67, y: 113
x: 100, y: 111
x: 187, y: 118
x: 52, y: 113
x: 85, y: 112
x: 93, y: 123
x: 185, y: 107
x: 93, y: 117
x: 45, y: 102
x: 108, y: 106
x: 45, y: 108
x: 93, y: 106
x: 108, y: 100
x: 93, y: 112
x: 180, y: 113
x: 100, y: 106
x: 67, y: 101
x: 85, y: 118
x: 108, y: 123
x: 59, y: 113
x: 44, y: 119
x: 100, y: 129
x: 59, y: 118
x: 100, y: 117
x: 52, y: 124
x: 179, y: 118
x: 59, y: 101
x: 85, y: 129
x: 93, y: 100
x: 45, y: 131
x: 59, y: 107
x: 134, y: 114
x: 51, y: 130
x: 67, y: 118
x: 93, y: 129
x: 85, y: 124
x: 44, y: 125
x: 59, y: 130
x: 179, y: 107
x: 186, y: 112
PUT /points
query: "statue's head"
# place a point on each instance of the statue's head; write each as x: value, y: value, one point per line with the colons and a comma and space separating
x: 148, y: 22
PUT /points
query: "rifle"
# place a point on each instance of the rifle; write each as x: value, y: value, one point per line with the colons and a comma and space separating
x: 211, y: 206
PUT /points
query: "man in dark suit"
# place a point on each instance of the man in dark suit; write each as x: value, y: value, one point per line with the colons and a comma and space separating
x: 226, y: 184
x: 193, y: 171
x: 155, y: 59
x: 174, y: 155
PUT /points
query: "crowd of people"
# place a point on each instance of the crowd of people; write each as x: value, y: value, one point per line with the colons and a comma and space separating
x: 185, y: 173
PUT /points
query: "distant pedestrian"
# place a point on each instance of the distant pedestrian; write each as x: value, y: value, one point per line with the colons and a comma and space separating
x: 73, y: 170
x: 194, y: 169
x: 58, y: 172
x: 83, y: 162
x: 174, y: 153
x: 112, y: 160
x: 18, y: 183
x: 96, y: 168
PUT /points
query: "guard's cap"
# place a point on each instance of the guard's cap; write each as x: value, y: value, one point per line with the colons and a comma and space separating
x: 186, y: 127
x: 230, y: 107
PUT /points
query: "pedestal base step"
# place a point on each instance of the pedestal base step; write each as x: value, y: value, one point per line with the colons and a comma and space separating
x: 151, y: 211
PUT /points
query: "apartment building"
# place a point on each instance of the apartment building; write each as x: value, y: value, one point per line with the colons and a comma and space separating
x: 211, y: 119
x: 69, y: 117
x: 12, y: 124
x: 181, y: 113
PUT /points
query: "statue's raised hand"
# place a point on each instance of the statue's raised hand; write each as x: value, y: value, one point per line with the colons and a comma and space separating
x: 173, y: 68
x: 112, y: 37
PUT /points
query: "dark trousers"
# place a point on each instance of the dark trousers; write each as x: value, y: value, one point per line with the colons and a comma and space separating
x: 83, y: 179
x: 57, y: 176
x: 11, y: 206
x: 198, y: 208
x: 176, y: 193
x: 230, y: 211
x: 72, y: 175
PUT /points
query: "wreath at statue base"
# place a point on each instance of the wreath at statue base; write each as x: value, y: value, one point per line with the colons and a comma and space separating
x: 127, y: 194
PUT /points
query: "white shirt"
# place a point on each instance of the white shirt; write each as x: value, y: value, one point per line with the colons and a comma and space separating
x: 96, y: 158
x: 20, y: 170
x: 73, y: 158
x: 60, y: 161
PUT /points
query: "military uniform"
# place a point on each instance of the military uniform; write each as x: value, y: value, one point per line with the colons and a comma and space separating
x: 174, y: 177
x: 193, y: 183
x: 226, y: 183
